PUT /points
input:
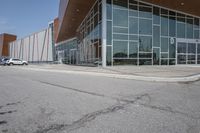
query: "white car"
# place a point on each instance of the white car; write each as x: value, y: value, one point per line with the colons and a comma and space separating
x: 16, y: 62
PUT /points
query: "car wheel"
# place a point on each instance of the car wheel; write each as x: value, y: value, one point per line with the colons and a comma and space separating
x: 11, y: 64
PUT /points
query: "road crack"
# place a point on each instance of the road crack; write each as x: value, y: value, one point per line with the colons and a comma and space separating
x: 89, y: 117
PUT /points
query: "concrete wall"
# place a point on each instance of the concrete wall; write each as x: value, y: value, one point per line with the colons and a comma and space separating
x: 37, y: 47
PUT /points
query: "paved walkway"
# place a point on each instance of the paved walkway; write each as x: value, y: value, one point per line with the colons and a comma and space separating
x: 145, y: 73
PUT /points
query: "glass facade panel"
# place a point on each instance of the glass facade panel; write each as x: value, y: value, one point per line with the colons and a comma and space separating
x: 164, y: 44
x: 181, y: 47
x: 172, y: 48
x: 119, y: 30
x: 145, y: 12
x: 133, y: 49
x: 156, y: 15
x: 189, y: 28
x: 192, y: 48
x: 145, y: 62
x: 109, y: 55
x: 156, y: 36
x: 198, y: 48
x: 172, y: 26
x: 156, y: 56
x: 109, y: 9
x: 109, y: 33
x: 120, y: 49
x: 145, y: 26
x: 147, y: 34
x: 181, y: 30
x: 133, y: 25
x: 120, y: 18
x: 145, y: 44
x: 164, y: 26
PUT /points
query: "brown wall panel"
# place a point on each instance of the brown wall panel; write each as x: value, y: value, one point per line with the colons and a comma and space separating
x: 5, y: 39
x: 56, y: 26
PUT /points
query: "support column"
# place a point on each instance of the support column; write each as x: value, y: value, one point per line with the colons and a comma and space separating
x: 104, y: 30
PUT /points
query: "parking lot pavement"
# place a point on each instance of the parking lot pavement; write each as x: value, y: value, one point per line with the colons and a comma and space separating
x: 44, y: 102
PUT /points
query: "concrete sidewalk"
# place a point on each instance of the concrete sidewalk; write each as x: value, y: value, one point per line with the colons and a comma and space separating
x: 144, y: 73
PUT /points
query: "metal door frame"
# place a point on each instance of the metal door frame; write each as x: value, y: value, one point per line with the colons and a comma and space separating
x: 183, y: 40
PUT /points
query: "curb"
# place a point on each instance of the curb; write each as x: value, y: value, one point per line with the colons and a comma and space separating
x: 192, y: 78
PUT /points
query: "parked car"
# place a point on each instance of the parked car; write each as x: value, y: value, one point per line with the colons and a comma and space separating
x: 12, y: 61
x: 3, y: 61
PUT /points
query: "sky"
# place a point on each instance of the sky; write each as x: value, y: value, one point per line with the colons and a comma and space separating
x: 24, y: 17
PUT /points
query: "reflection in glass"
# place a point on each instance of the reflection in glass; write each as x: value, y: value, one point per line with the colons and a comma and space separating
x: 145, y: 26
x: 164, y: 44
x: 133, y: 49
x: 181, y: 59
x: 189, y: 28
x: 133, y: 25
x: 180, y: 30
x: 109, y: 33
x: 172, y: 26
x: 181, y: 48
x: 145, y: 12
x: 120, y: 18
x: 192, y: 48
x: 156, y: 15
x: 156, y: 56
x: 145, y: 44
x: 109, y: 55
x: 120, y: 49
x: 156, y: 36
x: 164, y: 26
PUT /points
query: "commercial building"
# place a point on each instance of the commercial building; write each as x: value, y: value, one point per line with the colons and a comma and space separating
x: 35, y: 48
x: 5, y: 39
x: 138, y: 32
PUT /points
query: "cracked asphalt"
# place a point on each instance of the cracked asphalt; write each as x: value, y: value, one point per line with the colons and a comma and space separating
x: 50, y: 102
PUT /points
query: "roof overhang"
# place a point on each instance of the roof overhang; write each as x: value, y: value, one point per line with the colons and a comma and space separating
x: 72, y: 13
x: 186, y: 6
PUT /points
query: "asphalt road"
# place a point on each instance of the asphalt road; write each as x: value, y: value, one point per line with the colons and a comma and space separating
x: 50, y: 102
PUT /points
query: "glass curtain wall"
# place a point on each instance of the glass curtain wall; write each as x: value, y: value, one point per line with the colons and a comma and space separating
x: 65, y: 52
x: 89, y: 36
x: 144, y: 34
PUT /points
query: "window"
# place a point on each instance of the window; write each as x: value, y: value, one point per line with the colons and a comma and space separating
x: 164, y: 44
x: 133, y: 25
x: 156, y: 36
x: 191, y: 48
x: 172, y: 26
x: 156, y: 56
x: 120, y: 49
x: 133, y: 49
x: 180, y: 30
x: 189, y: 28
x: 109, y: 33
x: 164, y: 26
x: 145, y: 12
x: 120, y: 3
x: 145, y: 44
x: 145, y: 27
x: 120, y: 18
x: 156, y: 15
x: 181, y: 48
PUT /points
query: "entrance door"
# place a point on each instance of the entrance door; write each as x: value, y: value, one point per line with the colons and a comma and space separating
x: 73, y: 56
x: 187, y: 51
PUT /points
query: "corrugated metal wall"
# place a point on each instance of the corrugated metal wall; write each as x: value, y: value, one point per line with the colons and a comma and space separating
x: 37, y: 47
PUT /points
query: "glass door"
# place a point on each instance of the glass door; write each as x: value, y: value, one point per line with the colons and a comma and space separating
x: 188, y: 51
